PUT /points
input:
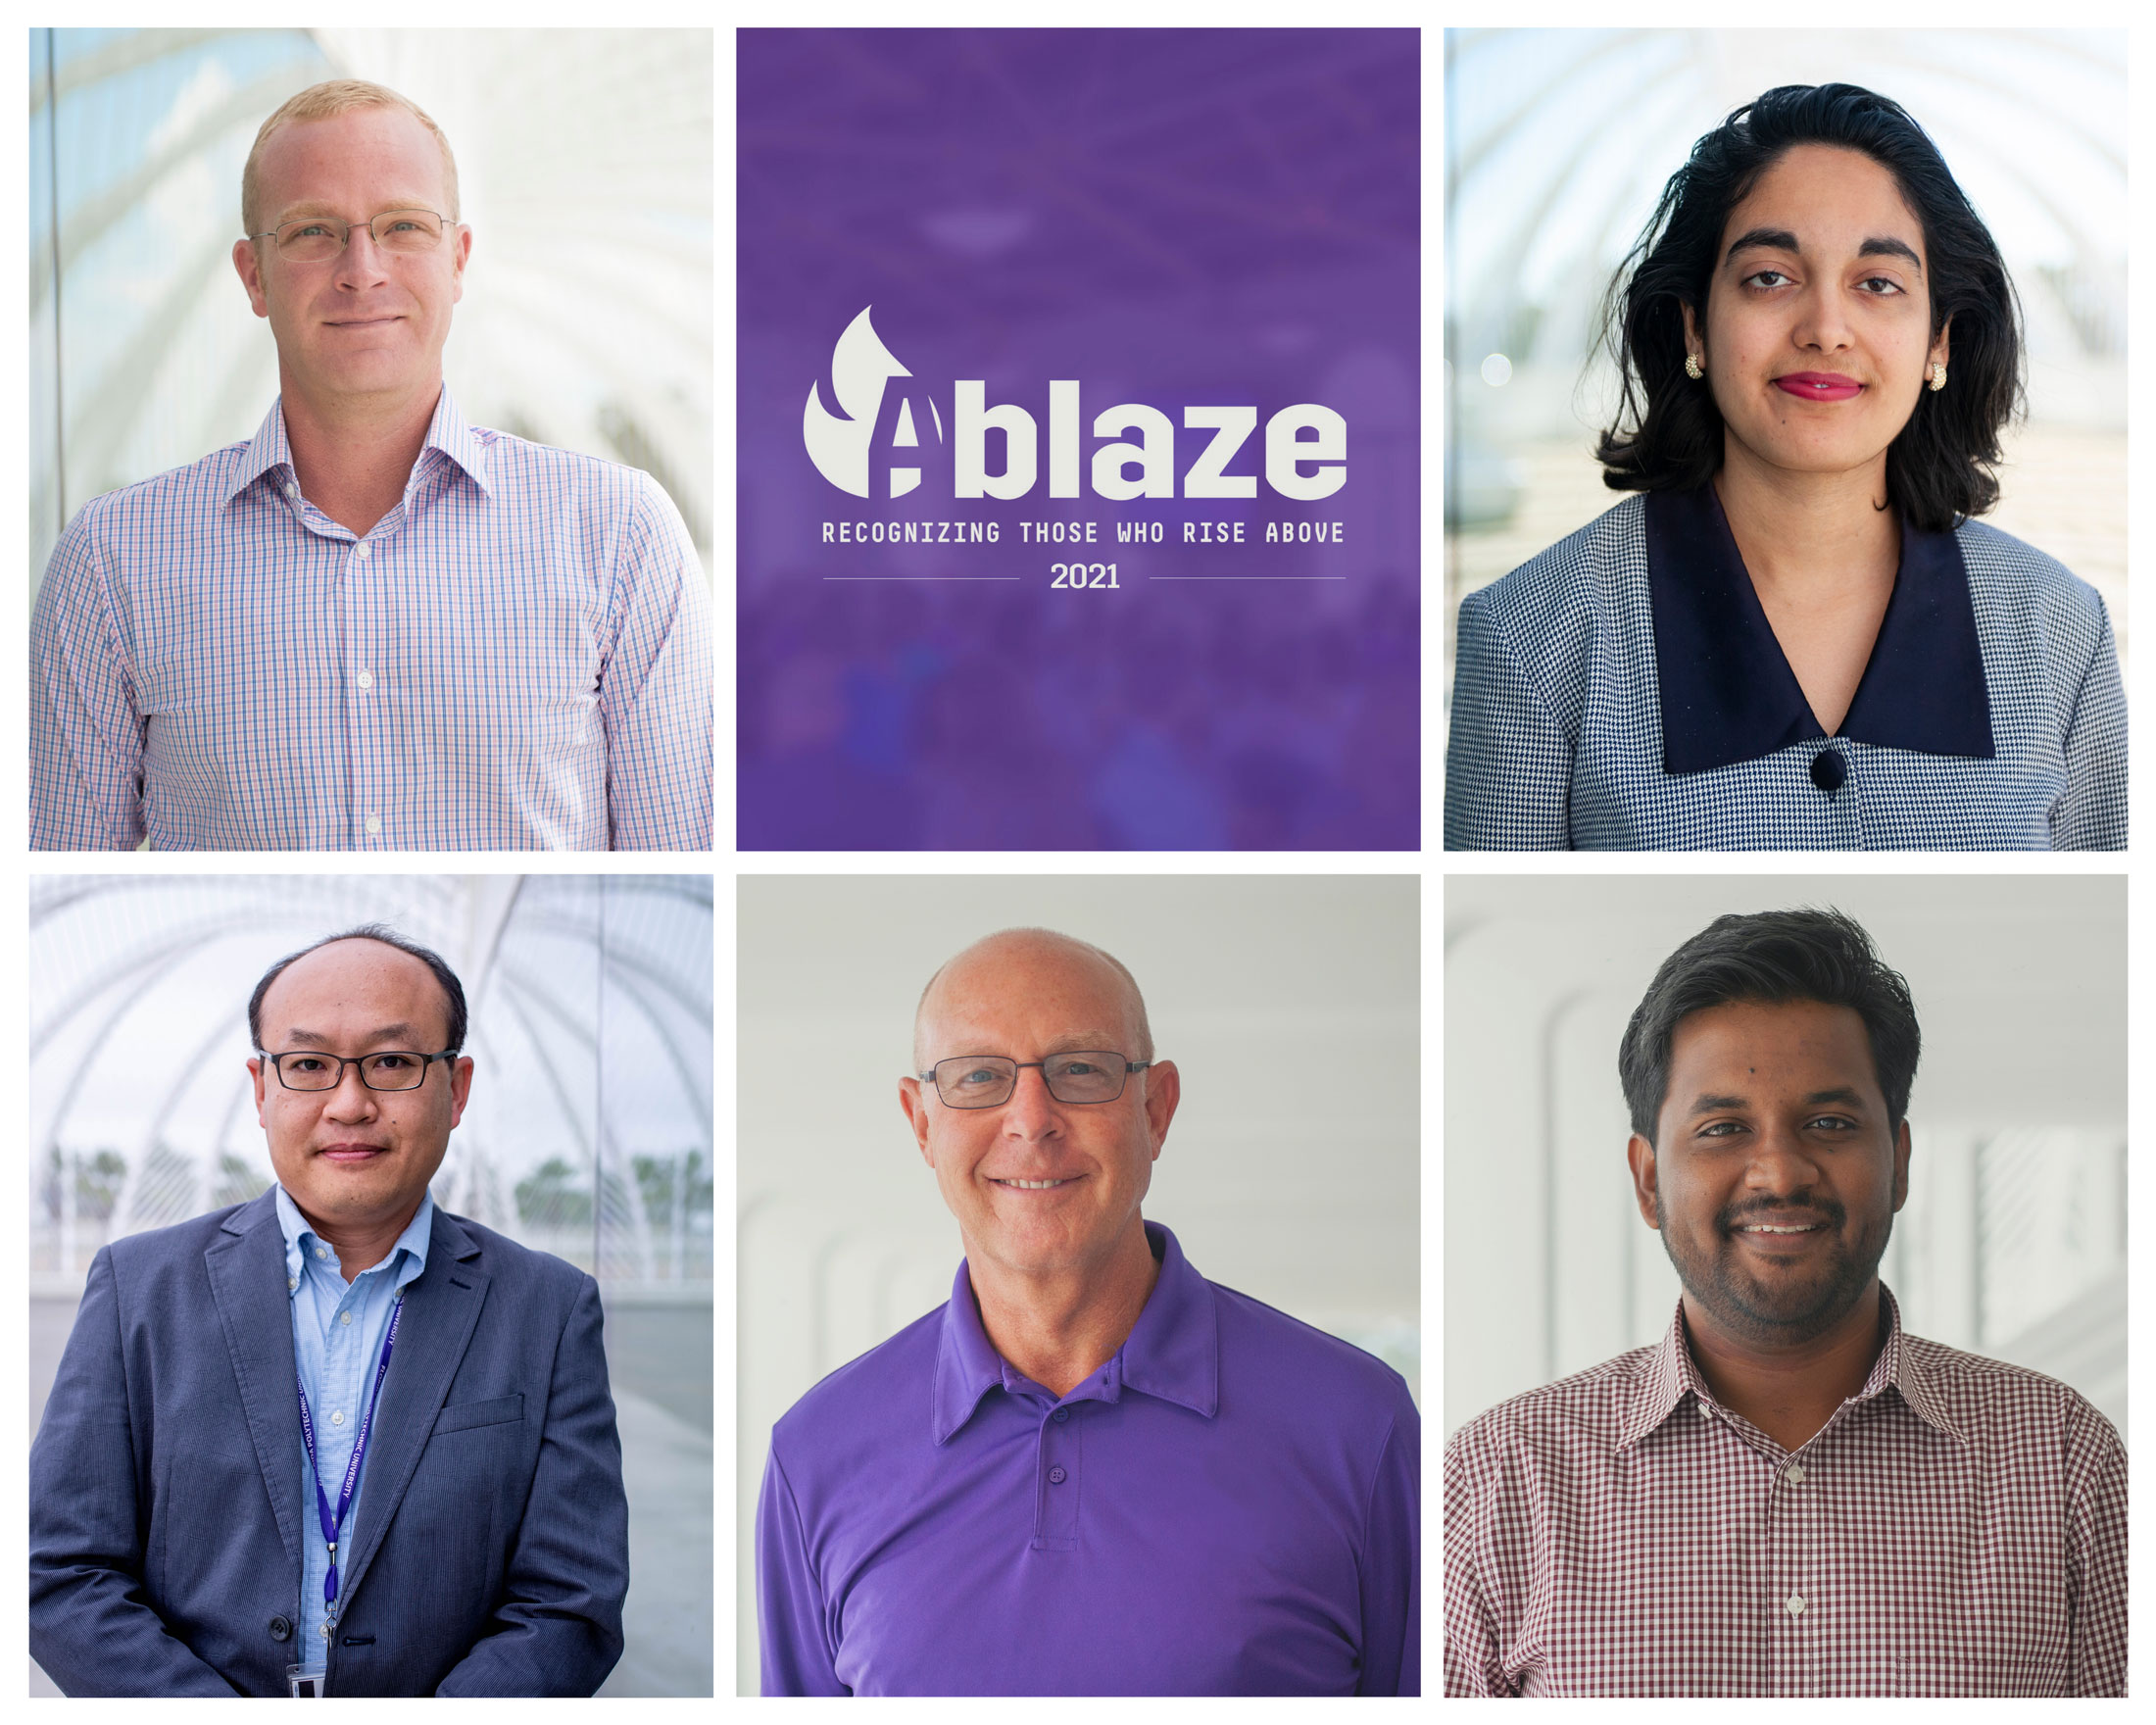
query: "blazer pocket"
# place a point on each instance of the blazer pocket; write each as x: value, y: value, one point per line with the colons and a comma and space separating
x: 463, y: 1416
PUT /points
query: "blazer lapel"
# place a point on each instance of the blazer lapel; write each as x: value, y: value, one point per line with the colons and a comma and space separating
x: 246, y: 1280
x: 441, y: 1309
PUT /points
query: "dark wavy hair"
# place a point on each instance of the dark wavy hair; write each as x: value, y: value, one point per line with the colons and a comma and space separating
x: 1668, y: 435
x: 1775, y: 955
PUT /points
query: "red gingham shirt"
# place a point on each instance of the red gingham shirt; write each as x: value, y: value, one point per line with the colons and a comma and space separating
x: 1958, y: 1528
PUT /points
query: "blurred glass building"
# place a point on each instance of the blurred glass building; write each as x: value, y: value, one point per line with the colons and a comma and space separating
x: 1557, y: 144
x: 584, y: 162
x: 588, y: 1133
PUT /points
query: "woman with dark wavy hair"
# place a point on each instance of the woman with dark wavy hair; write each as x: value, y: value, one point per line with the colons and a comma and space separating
x: 1798, y: 637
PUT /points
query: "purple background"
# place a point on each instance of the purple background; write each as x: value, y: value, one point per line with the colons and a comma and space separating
x: 1174, y: 218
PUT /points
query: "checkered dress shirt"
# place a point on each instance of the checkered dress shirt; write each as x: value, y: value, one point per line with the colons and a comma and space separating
x: 1557, y: 723
x: 1958, y: 1528
x: 517, y: 656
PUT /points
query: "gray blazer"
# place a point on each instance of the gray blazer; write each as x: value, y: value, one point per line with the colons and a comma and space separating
x: 168, y: 1487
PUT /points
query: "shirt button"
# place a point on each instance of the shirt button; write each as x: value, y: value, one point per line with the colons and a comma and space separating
x: 1797, y: 1605
x: 323, y: 1253
x: 291, y: 1284
x: 373, y: 826
x: 361, y: 549
x: 1829, y: 770
x: 366, y: 679
x: 337, y: 1419
x: 1062, y: 1416
x: 1057, y: 1476
x: 344, y: 1317
x: 1795, y: 1474
x: 281, y: 1629
x: 291, y: 490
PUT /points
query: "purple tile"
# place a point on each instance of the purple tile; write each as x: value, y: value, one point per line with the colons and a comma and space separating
x: 959, y: 249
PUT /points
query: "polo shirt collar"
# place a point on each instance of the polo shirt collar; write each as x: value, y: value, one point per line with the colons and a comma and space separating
x: 447, y: 433
x: 1174, y: 1348
x: 1727, y: 692
x: 1172, y: 1352
x: 1672, y: 1374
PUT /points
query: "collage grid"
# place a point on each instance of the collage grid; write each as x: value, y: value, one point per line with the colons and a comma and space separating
x: 1490, y: 482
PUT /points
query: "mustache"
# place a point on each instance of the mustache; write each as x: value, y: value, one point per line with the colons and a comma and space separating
x: 1818, y: 1209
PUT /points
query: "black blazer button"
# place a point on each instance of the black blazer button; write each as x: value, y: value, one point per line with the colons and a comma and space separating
x: 1828, y: 771
x: 281, y: 1629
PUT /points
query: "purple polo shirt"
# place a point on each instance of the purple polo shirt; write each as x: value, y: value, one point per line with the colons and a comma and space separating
x: 1231, y: 1505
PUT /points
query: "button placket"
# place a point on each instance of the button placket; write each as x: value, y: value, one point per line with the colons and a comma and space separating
x: 365, y: 711
x: 1849, y: 801
x: 1795, y: 1509
x: 1056, y: 1524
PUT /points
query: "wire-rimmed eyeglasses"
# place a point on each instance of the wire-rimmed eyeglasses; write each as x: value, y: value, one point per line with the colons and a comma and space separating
x: 393, y: 1068
x: 314, y: 239
x: 987, y: 1081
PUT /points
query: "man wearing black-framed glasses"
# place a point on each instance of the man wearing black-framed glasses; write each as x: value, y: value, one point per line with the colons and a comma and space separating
x: 334, y: 1441
x: 1093, y: 1471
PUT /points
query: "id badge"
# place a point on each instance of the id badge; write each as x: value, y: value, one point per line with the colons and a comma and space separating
x: 301, y: 1682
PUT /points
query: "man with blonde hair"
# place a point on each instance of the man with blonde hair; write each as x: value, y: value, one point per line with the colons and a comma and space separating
x: 374, y: 626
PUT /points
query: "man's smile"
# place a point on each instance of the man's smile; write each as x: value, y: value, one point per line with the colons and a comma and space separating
x: 1011, y: 1185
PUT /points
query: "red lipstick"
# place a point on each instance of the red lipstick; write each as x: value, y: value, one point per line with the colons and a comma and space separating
x: 1819, y: 386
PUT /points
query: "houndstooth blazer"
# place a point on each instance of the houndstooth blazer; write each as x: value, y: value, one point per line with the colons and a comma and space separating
x: 1622, y: 691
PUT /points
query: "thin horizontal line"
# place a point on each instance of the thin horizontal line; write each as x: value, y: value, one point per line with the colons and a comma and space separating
x: 1246, y: 577
x: 924, y: 577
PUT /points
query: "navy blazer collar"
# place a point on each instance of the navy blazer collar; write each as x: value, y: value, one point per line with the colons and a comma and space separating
x: 1728, y: 693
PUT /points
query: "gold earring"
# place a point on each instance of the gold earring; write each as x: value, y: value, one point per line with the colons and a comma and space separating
x: 1693, y: 370
x: 1938, y: 379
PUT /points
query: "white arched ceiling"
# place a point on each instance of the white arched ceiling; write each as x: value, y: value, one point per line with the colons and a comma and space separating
x: 1558, y: 143
x: 590, y: 1001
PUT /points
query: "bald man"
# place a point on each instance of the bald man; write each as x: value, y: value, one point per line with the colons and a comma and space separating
x: 1092, y: 1471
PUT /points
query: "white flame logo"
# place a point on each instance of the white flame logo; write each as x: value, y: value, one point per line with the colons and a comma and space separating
x: 838, y: 443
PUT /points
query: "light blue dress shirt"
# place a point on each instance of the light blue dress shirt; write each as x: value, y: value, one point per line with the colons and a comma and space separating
x: 337, y: 1331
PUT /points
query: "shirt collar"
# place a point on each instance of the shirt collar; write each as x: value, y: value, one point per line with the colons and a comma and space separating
x: 1726, y: 691
x: 448, y: 432
x: 1172, y: 1352
x: 1672, y: 1374
x: 412, y: 1242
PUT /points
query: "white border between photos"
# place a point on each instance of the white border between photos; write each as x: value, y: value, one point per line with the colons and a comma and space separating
x: 1431, y: 864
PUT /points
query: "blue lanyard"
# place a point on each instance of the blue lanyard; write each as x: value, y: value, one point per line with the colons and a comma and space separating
x: 331, y: 1527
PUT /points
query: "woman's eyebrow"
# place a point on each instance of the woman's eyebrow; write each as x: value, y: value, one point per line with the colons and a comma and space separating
x: 1779, y: 239
x: 1890, y: 248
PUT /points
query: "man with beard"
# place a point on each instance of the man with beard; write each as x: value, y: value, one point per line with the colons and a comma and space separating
x: 1789, y: 1495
